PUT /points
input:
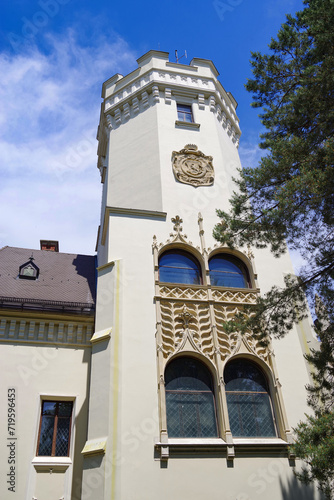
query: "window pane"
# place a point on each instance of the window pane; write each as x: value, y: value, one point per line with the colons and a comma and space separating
x: 226, y: 270
x: 184, y: 107
x: 49, y: 408
x: 65, y: 408
x: 241, y: 375
x: 187, y: 117
x: 191, y: 414
x: 187, y: 374
x: 250, y: 415
x: 63, y: 433
x: 182, y: 276
x: 227, y: 279
x: 176, y: 266
x: 46, y: 436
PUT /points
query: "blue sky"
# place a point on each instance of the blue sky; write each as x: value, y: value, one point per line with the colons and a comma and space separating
x: 54, y: 57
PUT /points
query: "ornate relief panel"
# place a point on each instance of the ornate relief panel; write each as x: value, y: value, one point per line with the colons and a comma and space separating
x: 191, y: 317
x: 230, y: 344
x: 190, y: 320
x: 193, y: 167
x: 183, y: 324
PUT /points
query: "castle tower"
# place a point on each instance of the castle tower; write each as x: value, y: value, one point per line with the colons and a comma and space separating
x: 178, y: 408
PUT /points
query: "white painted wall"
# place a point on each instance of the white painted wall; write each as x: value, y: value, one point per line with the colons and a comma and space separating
x: 141, y: 177
x: 35, y: 372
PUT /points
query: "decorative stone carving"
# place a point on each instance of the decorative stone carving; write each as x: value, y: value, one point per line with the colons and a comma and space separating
x: 118, y: 117
x: 155, y: 93
x: 185, y: 317
x: 168, y: 96
x: 144, y: 98
x: 135, y: 105
x: 126, y: 109
x: 176, y: 332
x: 201, y: 101
x: 109, y: 122
x: 193, y: 167
x: 212, y: 104
x: 177, y: 221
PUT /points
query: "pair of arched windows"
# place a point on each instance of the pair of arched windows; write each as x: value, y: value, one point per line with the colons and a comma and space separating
x: 190, y: 400
x: 178, y: 266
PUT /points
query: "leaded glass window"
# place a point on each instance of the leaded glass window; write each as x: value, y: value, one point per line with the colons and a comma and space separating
x: 227, y: 270
x: 177, y: 266
x: 55, y: 425
x: 248, y: 400
x: 190, y: 401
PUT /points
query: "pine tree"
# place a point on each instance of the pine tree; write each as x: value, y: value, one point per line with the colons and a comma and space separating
x: 289, y: 198
x: 315, y: 437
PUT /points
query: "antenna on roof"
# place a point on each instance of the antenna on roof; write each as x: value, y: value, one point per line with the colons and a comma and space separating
x: 178, y: 58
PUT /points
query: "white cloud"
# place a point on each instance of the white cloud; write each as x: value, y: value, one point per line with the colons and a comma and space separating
x: 250, y: 154
x: 50, y: 186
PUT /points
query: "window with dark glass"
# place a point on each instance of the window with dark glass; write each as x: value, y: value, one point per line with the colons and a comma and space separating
x: 248, y: 400
x: 190, y: 401
x: 177, y: 266
x: 184, y: 113
x: 55, y: 427
x: 227, y: 270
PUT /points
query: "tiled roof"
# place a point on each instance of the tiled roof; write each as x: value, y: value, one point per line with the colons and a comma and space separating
x: 63, y: 277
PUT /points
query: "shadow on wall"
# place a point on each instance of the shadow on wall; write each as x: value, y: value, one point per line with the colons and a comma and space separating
x: 296, y: 490
x: 85, y: 266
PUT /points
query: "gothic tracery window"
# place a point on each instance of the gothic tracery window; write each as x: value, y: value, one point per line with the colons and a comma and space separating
x: 190, y: 400
x: 248, y: 400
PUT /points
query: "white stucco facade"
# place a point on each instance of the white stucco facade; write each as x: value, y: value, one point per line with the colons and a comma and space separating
x: 139, y: 131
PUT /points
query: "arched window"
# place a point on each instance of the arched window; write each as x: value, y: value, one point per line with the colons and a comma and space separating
x: 177, y: 266
x: 227, y: 270
x: 190, y: 401
x: 248, y: 400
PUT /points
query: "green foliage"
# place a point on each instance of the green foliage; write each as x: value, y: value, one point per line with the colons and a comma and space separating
x: 315, y: 445
x: 315, y: 437
x: 289, y: 198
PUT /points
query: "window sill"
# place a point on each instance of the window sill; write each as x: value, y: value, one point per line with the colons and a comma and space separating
x: 58, y: 464
x: 259, y: 441
x: 218, y: 446
x: 221, y: 442
x: 190, y: 125
x: 193, y: 442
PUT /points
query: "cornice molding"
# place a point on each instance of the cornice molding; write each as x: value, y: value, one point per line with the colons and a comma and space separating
x: 176, y: 82
x: 150, y: 214
x: 81, y: 308
x: 45, y: 331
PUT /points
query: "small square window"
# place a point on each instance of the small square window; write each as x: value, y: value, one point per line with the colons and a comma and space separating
x: 55, y: 429
x: 184, y: 113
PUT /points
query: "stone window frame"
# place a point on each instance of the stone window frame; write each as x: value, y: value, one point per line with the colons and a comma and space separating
x: 245, y: 391
x: 55, y: 427
x: 226, y: 439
